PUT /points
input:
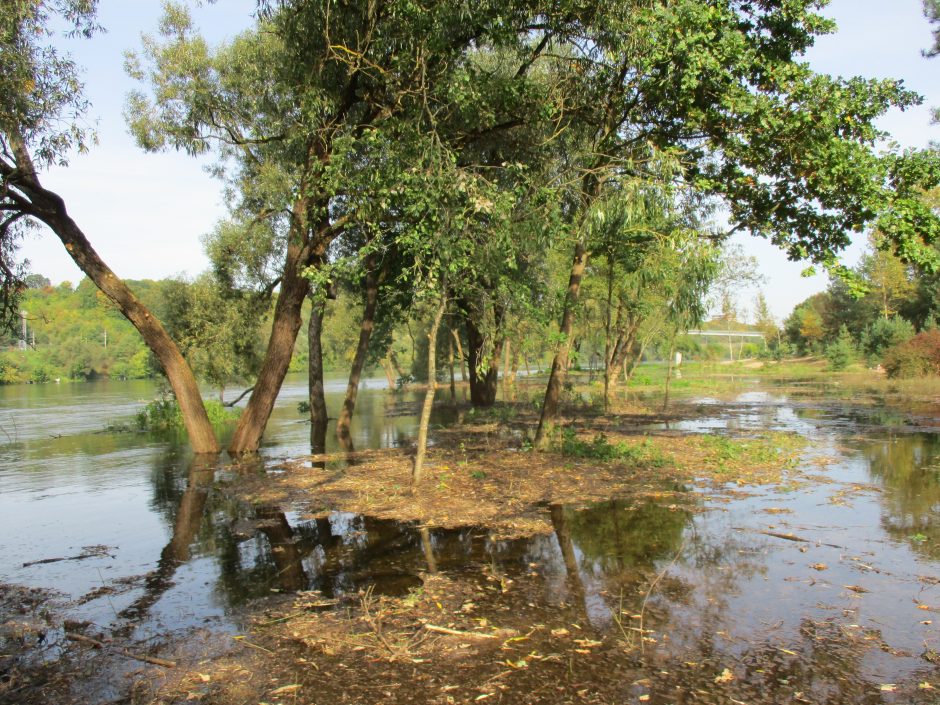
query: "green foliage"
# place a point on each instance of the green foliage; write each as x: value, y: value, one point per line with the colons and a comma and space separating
x: 883, y: 334
x: 78, y: 335
x: 841, y: 352
x: 599, y: 448
x: 42, y: 109
x: 162, y: 415
x: 917, y: 357
x: 216, y: 328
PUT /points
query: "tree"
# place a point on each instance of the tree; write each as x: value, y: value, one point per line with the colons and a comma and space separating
x: 932, y: 11
x: 41, y: 109
x: 886, y: 277
x: 302, y: 110
x: 790, y: 152
x: 765, y: 321
x: 217, y: 329
x: 811, y: 329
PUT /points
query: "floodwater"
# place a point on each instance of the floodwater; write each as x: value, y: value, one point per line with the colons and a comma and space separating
x: 824, y: 589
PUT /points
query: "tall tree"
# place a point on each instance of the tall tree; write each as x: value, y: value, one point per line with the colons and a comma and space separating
x: 297, y: 108
x: 41, y: 122
x: 791, y: 152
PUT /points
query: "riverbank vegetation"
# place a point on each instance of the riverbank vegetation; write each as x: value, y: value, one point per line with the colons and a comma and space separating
x: 521, y: 182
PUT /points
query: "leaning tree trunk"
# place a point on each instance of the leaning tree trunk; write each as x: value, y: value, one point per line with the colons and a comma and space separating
x: 507, y: 369
x: 672, y: 354
x: 560, y: 362
x: 50, y: 209
x: 315, y: 395
x: 286, y: 324
x: 362, y: 349
x: 417, y: 471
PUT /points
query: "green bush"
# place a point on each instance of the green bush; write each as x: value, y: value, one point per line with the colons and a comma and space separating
x: 841, y: 352
x: 884, y: 334
x: 163, y: 415
x: 917, y: 357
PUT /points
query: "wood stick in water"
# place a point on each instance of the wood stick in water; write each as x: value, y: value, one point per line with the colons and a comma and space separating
x: 122, y: 652
x: 455, y: 632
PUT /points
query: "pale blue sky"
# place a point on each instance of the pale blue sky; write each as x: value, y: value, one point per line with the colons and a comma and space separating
x: 145, y: 213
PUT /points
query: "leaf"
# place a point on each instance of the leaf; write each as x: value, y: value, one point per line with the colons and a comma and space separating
x: 292, y: 688
x: 726, y: 676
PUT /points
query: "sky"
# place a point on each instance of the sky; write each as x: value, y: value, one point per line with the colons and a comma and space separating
x: 146, y: 213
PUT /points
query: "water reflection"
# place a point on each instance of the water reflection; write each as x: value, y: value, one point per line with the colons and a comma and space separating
x: 711, y: 588
x: 186, y: 524
x: 908, y: 468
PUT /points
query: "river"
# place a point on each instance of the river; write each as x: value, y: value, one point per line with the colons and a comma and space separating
x: 853, y: 549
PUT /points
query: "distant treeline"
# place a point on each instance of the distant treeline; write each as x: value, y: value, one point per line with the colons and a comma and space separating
x: 68, y: 332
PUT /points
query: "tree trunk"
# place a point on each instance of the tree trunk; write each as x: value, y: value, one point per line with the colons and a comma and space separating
x: 286, y: 324
x: 638, y: 358
x: 560, y: 362
x: 483, y: 387
x: 315, y: 396
x: 418, y: 469
x: 672, y: 353
x: 387, y: 368
x: 50, y: 209
x: 624, y: 347
x: 609, y: 353
x: 393, y: 361
x: 362, y: 349
x: 453, y: 385
x: 507, y: 381
x: 463, y: 360
x: 512, y: 370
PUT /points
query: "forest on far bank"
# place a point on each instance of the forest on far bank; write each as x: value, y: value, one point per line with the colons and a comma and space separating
x: 74, y: 333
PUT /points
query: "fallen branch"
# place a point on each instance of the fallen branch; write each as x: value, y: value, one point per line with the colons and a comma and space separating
x: 91, y: 552
x: 789, y: 537
x: 454, y: 632
x: 239, y: 397
x: 122, y: 652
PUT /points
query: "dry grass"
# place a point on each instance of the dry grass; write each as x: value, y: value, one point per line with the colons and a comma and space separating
x: 478, y: 476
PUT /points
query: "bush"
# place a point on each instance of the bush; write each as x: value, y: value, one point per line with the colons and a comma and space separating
x: 884, y: 334
x: 163, y: 415
x: 917, y: 357
x: 842, y: 351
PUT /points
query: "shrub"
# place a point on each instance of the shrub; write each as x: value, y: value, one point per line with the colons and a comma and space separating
x: 841, y: 352
x: 916, y: 357
x: 163, y: 415
x: 884, y: 334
